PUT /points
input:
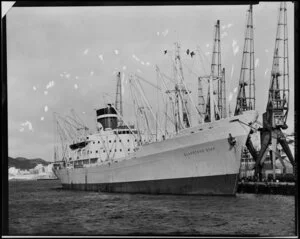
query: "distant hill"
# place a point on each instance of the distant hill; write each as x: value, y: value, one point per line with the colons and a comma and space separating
x: 24, y: 163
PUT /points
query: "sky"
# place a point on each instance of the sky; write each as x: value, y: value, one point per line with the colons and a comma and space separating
x: 62, y: 58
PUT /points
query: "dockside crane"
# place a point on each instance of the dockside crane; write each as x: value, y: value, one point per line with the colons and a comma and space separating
x: 275, y: 117
x: 218, y: 75
x: 246, y: 89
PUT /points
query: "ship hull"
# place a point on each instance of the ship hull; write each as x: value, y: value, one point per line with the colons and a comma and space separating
x: 210, y: 185
x: 201, y: 161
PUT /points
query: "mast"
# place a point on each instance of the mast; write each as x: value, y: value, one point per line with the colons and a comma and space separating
x: 182, y: 114
x: 119, y: 102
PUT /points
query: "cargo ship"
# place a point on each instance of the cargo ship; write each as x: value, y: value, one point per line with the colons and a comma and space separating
x: 202, y: 159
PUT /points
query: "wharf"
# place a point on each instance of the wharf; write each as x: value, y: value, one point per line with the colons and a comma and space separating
x: 282, y: 188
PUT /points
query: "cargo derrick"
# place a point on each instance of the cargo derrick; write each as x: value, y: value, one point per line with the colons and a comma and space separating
x: 218, y: 106
x: 246, y: 88
x: 274, y: 119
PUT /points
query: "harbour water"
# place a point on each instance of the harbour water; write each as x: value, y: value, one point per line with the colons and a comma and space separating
x: 43, y: 208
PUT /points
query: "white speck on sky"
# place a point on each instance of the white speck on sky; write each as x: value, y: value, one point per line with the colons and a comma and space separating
x: 235, y: 90
x: 256, y: 62
x: 46, y: 108
x: 50, y: 84
x: 42, y: 118
x: 92, y: 73
x: 86, y: 51
x: 266, y: 71
x: 230, y: 96
x: 27, y: 123
x: 22, y: 129
x: 76, y: 86
x: 207, y: 45
x: 165, y: 33
x: 101, y: 57
x: 224, y: 34
x: 34, y: 88
x: 232, y: 69
x: 157, y: 33
x: 68, y: 76
x: 124, y: 68
x: 116, y: 52
x: 45, y: 92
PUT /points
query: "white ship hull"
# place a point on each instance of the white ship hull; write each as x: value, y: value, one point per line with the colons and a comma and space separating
x: 199, y: 161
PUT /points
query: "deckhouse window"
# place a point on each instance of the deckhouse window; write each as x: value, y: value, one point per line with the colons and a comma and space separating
x: 96, y: 151
x: 109, y: 141
x: 98, y: 142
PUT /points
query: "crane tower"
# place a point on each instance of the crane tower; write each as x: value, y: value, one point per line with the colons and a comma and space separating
x: 275, y: 117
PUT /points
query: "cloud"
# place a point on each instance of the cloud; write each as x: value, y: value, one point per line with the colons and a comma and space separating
x: 46, y: 108
x: 27, y: 123
x: 86, y: 51
x: 116, y: 52
x: 148, y: 63
x: 34, y: 88
x: 42, y: 118
x: 101, y: 57
x: 256, y: 62
x: 75, y: 86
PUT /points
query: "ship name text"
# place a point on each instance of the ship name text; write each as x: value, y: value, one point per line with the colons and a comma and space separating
x: 199, y: 151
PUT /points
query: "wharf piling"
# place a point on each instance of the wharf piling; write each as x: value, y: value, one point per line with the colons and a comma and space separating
x: 281, y: 188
